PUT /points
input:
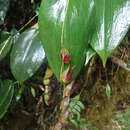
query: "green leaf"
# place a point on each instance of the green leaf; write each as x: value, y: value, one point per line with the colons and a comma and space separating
x: 5, y: 48
x: 75, y: 111
x: 108, y: 91
x: 85, y: 126
x: 19, y: 93
x: 6, y: 41
x: 33, y: 92
x: 74, y: 122
x: 112, y: 21
x: 4, y: 4
x: 6, y: 94
x: 65, y: 24
x: 89, y: 54
x: 82, y: 120
x: 3, y: 36
x: 79, y: 103
x: 27, y: 55
x: 76, y: 107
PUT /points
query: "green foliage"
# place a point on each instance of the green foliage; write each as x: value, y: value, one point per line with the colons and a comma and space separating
x: 5, y: 48
x: 4, y: 4
x: 3, y: 36
x: 108, y: 91
x: 65, y: 24
x: 5, y: 43
x: 75, y: 24
x: 6, y: 94
x: 33, y: 92
x: 71, y: 29
x: 81, y: 27
x: 27, y: 55
x: 75, y: 117
x: 18, y: 95
x: 112, y: 18
x: 89, y: 54
x: 122, y: 120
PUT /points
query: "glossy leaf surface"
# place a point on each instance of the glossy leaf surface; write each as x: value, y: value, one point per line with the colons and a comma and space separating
x: 89, y: 54
x: 112, y: 20
x: 64, y: 24
x: 27, y: 55
x: 3, y: 36
x: 4, y: 4
x: 5, y: 47
x: 6, y: 94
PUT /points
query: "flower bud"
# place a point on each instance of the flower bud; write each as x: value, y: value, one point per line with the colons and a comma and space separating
x: 66, y: 76
x: 48, y: 73
x: 67, y: 90
x: 65, y: 56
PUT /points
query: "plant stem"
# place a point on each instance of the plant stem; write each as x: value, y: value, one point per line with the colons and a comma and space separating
x: 27, y: 23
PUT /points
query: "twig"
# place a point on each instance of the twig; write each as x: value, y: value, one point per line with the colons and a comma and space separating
x: 120, y: 63
x: 27, y: 23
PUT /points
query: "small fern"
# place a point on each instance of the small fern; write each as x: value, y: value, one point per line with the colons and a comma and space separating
x: 122, y: 121
x: 75, y: 109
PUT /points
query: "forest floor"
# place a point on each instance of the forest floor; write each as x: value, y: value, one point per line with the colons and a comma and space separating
x: 104, y: 92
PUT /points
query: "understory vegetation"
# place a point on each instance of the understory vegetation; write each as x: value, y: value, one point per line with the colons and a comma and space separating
x: 64, y: 65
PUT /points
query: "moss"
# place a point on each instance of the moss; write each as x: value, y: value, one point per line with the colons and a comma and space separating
x: 100, y: 109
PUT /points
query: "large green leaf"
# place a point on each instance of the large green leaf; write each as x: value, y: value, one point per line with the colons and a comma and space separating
x: 65, y: 24
x: 27, y: 55
x: 112, y: 20
x: 4, y: 4
x: 6, y: 94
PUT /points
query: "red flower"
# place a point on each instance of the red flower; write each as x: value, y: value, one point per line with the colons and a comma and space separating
x: 65, y: 56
